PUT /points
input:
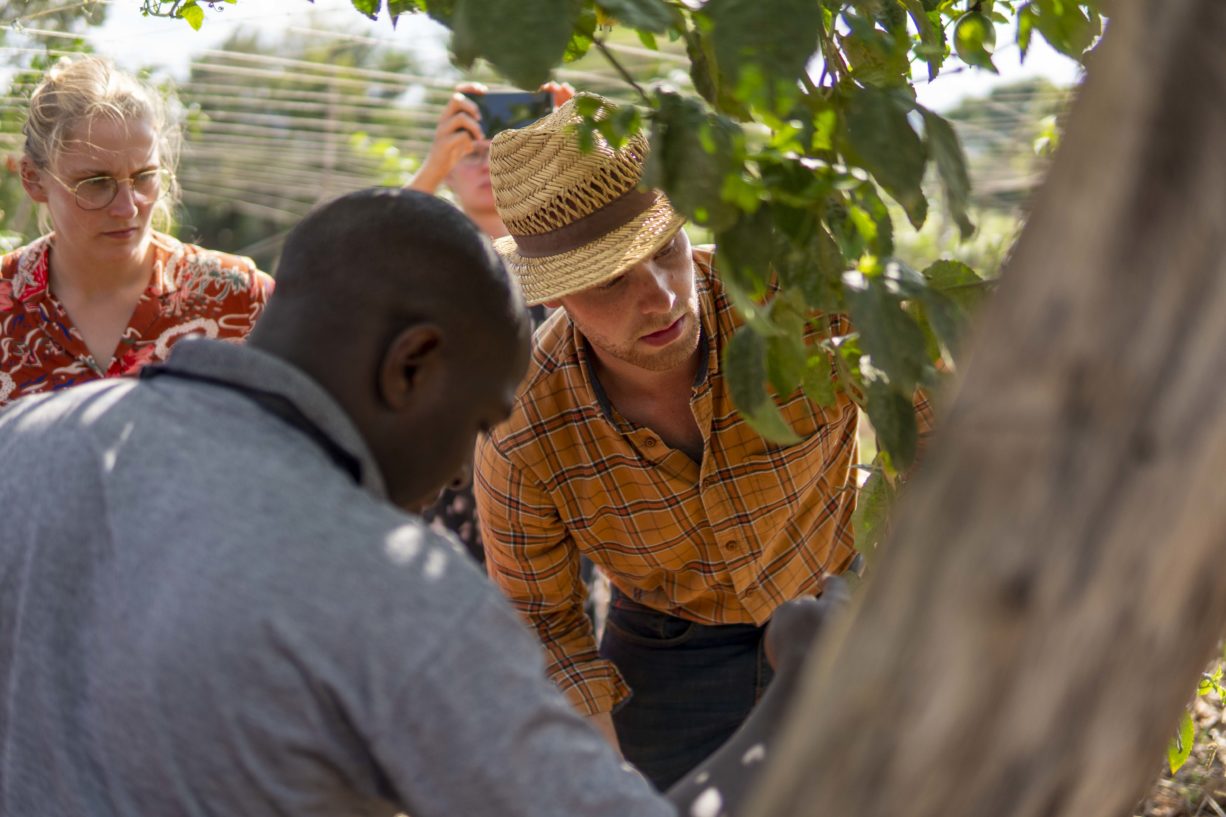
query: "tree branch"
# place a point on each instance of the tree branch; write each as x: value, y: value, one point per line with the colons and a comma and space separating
x: 617, y: 66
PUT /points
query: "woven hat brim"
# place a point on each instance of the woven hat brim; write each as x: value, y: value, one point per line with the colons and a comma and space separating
x: 555, y: 276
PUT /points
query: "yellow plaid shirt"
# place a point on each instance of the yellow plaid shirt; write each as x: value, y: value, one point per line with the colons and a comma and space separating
x: 725, y: 541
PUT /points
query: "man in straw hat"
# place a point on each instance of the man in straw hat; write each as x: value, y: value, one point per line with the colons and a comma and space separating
x: 219, y: 609
x: 624, y: 446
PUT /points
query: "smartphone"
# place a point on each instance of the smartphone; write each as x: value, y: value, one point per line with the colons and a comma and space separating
x: 500, y: 111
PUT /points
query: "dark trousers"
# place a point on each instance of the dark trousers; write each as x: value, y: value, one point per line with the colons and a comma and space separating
x: 693, y: 684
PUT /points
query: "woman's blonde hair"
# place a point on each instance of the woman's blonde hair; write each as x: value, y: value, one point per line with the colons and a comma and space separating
x: 78, y: 90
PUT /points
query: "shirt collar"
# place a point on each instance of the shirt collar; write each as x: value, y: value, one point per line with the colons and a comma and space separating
x: 33, y: 267
x: 248, y: 367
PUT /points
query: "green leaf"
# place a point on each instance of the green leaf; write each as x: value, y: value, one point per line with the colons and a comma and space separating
x: 888, y: 335
x: 946, y: 318
x: 584, y: 34
x: 818, y: 380
x: 691, y: 153
x: 881, y: 237
x: 944, y: 147
x: 524, y: 40
x: 654, y: 16
x: 893, y: 417
x: 764, y: 48
x: 193, y: 14
x: 873, y: 502
x: 710, y: 84
x: 878, y: 137
x: 369, y: 8
x: 806, y: 257
x: 1180, y: 748
x: 876, y: 58
x: 958, y: 282
x: 743, y: 251
x: 745, y: 369
x: 932, y: 47
x: 786, y: 353
x: 1065, y: 25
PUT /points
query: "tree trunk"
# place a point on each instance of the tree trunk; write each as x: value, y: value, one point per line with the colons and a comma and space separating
x: 1056, y: 574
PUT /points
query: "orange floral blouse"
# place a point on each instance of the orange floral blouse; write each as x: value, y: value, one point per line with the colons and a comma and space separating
x: 193, y: 291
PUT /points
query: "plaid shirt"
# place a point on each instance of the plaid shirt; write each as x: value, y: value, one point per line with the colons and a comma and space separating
x: 725, y: 541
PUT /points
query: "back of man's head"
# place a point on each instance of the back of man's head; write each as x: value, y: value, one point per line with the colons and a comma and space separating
x: 382, y: 255
x: 397, y: 305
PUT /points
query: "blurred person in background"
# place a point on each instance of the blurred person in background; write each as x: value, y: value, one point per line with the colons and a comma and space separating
x: 459, y: 159
x: 103, y: 292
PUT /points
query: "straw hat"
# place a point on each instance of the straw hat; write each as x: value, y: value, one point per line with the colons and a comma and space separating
x: 575, y: 219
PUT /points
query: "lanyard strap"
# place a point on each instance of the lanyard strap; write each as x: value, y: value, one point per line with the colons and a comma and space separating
x: 278, y: 406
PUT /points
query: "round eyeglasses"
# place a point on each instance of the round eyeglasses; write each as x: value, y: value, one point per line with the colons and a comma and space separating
x: 98, y: 192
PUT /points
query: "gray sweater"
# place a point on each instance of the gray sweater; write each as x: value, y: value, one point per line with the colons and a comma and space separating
x: 202, y: 614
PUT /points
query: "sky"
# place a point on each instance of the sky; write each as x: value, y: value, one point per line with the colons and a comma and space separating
x: 134, y: 42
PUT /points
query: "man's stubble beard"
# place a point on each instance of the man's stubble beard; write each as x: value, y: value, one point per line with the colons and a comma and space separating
x: 674, y: 355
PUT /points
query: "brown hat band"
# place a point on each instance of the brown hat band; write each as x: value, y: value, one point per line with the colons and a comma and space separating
x: 594, y: 225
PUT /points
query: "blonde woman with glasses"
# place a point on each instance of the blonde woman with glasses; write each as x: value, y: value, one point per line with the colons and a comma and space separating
x: 103, y: 293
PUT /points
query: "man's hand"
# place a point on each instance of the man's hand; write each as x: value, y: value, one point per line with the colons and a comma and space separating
x: 458, y: 131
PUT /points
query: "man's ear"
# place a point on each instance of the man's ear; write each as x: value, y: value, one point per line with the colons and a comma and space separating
x: 552, y: 304
x: 411, y: 359
x: 32, y: 181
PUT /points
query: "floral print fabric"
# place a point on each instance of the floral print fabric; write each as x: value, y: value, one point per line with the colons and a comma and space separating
x: 193, y: 291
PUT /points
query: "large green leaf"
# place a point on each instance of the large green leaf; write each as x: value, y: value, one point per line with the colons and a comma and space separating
x: 524, y: 40
x: 878, y: 137
x: 944, y: 147
x: 655, y: 16
x: 893, y: 417
x: 764, y: 47
x: 745, y: 370
x: 691, y: 153
x: 888, y: 335
x: 370, y: 8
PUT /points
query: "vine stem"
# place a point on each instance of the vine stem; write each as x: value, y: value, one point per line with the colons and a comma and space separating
x: 617, y: 66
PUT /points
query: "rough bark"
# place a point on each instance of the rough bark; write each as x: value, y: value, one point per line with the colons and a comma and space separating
x: 1056, y: 575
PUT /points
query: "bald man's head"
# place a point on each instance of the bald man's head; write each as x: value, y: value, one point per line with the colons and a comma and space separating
x: 396, y: 303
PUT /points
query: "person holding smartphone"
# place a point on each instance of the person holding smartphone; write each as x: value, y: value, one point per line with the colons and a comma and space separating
x: 459, y: 159
x: 459, y: 155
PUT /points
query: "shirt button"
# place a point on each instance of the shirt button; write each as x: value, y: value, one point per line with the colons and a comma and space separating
x: 650, y: 442
x: 730, y: 546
